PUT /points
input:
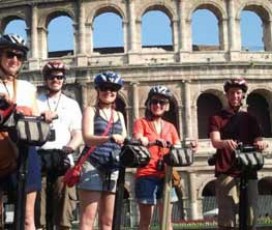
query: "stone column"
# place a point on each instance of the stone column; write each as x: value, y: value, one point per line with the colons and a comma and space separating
x: 182, y: 25
x: 224, y: 35
x: 187, y: 109
x: 175, y: 35
x: 193, y: 196
x: 89, y: 38
x: 132, y: 33
x: 135, y: 104
x: 81, y: 43
x: 34, y: 32
x: 267, y: 35
x: 84, y: 94
x: 43, y: 42
x: 232, y: 26
x: 126, y: 35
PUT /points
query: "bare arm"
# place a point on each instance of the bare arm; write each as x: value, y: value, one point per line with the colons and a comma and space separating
x: 220, y: 144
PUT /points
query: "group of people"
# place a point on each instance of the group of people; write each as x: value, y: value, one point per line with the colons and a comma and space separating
x: 96, y: 189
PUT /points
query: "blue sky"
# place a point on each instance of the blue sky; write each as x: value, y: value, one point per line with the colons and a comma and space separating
x: 204, y: 30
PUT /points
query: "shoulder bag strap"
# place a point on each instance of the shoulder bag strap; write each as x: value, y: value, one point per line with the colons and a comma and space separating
x: 83, y: 158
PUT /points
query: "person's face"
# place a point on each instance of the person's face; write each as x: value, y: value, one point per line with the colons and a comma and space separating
x: 107, y: 94
x: 11, y: 61
x: 159, y: 105
x: 55, y: 81
x: 235, y: 97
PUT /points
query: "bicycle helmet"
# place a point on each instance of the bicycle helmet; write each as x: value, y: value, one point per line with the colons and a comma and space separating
x: 236, y: 82
x: 13, y: 41
x: 56, y: 65
x: 159, y: 90
x: 108, y: 78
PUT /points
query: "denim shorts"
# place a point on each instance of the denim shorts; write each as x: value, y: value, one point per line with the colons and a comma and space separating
x: 93, y: 180
x: 149, y: 190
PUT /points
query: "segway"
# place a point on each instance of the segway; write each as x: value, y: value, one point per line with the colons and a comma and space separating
x: 248, y: 159
x: 178, y: 156
x: 133, y: 155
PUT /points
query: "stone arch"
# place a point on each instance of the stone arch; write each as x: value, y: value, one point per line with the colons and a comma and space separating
x: 212, y: 6
x: 7, y: 19
x: 44, y: 20
x: 216, y: 91
x: 105, y: 8
x: 202, y: 186
x: 264, y: 199
x: 207, y: 104
x: 259, y: 104
x: 264, y: 13
x: 163, y: 7
x: 261, y: 9
x: 265, y: 186
x: 173, y: 114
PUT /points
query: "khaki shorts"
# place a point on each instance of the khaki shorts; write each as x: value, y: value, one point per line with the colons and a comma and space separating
x: 227, y: 195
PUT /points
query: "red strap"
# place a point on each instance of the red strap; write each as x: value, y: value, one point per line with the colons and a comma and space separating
x: 90, y: 150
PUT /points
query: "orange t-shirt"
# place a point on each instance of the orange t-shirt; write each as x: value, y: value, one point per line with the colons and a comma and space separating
x: 168, y: 133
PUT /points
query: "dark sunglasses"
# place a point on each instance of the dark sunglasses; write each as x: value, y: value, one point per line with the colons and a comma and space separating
x: 11, y: 55
x: 107, y: 88
x: 52, y: 77
x: 159, y: 101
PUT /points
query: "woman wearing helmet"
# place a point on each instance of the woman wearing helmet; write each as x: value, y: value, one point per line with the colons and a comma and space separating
x: 149, y: 179
x: 97, y: 185
x: 13, y: 51
x: 227, y: 128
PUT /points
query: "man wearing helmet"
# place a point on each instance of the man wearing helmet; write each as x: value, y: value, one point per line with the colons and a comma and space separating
x: 66, y: 130
x: 150, y: 179
x: 227, y: 128
x: 13, y: 52
x: 97, y: 185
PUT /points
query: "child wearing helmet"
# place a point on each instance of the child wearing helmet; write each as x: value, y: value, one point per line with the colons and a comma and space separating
x: 227, y: 128
x: 13, y: 52
x: 97, y: 185
x: 150, y: 179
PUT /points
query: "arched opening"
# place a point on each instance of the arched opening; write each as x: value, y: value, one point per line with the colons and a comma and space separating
x: 16, y: 26
x: 108, y: 33
x: 258, y: 106
x: 172, y: 114
x: 205, y: 31
x: 156, y: 34
x: 265, y: 197
x: 121, y: 106
x: 251, y: 31
x: 207, y: 105
x: 209, y: 200
x: 60, y: 36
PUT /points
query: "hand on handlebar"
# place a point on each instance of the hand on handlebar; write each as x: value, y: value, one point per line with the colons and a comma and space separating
x: 260, y: 145
x: 230, y: 144
x: 117, y: 138
x: 49, y: 116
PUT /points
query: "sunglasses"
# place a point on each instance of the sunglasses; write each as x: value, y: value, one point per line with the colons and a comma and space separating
x: 107, y: 88
x: 159, y: 101
x: 52, y: 77
x: 11, y: 55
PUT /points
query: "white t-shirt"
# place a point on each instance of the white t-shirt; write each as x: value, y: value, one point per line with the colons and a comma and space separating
x: 25, y: 92
x: 69, y: 119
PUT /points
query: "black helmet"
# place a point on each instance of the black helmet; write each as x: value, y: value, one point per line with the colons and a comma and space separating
x: 160, y: 90
x: 13, y: 41
x: 236, y: 82
x: 108, y: 78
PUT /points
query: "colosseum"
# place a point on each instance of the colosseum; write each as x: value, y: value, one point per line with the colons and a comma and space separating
x: 194, y: 73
